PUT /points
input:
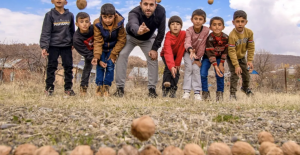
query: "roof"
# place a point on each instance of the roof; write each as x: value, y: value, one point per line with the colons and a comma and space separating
x: 13, y: 63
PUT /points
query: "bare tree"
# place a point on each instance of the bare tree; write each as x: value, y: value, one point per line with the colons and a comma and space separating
x: 263, y: 64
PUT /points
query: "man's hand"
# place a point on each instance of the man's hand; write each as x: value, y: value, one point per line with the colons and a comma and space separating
x: 198, y: 63
x: 143, y: 29
x: 250, y: 64
x: 102, y: 64
x: 94, y: 61
x: 218, y: 71
x: 174, y: 71
x: 153, y: 55
x: 238, y: 71
x: 221, y: 67
x: 44, y: 53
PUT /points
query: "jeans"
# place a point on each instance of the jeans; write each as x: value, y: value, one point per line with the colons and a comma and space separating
x: 105, y: 76
x: 204, y: 73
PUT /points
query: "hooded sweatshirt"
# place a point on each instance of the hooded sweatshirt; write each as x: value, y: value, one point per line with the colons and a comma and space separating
x: 173, y: 49
x: 196, y: 41
x: 84, y: 43
x: 58, y: 29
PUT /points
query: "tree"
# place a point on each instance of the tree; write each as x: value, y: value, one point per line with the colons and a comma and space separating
x: 263, y: 64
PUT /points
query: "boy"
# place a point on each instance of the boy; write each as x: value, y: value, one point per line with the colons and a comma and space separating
x: 240, y: 41
x: 56, y: 40
x: 109, y: 40
x: 215, y: 54
x: 171, y: 55
x: 195, y: 40
x: 83, y: 41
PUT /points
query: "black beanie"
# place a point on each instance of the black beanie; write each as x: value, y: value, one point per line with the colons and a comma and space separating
x: 175, y: 19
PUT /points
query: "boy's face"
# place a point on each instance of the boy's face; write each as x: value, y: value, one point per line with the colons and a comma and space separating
x: 217, y: 26
x: 148, y: 7
x: 59, y: 3
x: 83, y: 24
x: 198, y: 21
x: 108, y: 19
x: 239, y: 23
x: 175, y: 28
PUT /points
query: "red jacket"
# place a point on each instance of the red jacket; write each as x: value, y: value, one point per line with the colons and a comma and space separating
x: 173, y: 49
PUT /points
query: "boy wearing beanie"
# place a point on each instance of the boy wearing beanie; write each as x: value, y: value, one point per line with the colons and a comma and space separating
x: 240, y: 43
x: 171, y: 55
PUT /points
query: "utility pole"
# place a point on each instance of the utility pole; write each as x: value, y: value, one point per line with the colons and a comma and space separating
x: 285, y: 80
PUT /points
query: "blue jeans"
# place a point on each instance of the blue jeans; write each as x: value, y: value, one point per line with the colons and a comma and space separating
x: 105, y: 76
x: 204, y: 73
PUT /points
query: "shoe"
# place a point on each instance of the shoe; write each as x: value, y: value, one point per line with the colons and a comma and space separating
x: 167, y: 84
x: 119, y: 92
x: 49, y: 92
x: 219, y: 96
x: 165, y: 92
x: 247, y: 91
x: 186, y: 96
x: 105, y: 90
x: 198, y: 97
x: 83, y: 90
x: 99, y: 90
x: 70, y: 92
x: 233, y: 96
x: 206, y: 95
x: 152, y: 93
x: 172, y: 93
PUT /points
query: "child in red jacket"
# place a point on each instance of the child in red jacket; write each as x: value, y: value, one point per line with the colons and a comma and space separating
x: 171, y: 55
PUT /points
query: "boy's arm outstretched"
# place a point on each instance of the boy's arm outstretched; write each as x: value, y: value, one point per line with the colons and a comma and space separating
x: 121, y: 41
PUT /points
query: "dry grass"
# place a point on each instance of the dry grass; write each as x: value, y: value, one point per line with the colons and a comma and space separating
x: 66, y: 122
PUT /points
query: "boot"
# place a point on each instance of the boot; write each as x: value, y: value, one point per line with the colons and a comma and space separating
x: 152, y: 93
x: 173, y: 93
x: 219, y: 96
x: 105, y: 91
x: 206, y: 95
x: 83, y: 91
x: 119, y: 92
x: 233, y: 96
x: 165, y: 92
x: 247, y: 91
x: 99, y: 90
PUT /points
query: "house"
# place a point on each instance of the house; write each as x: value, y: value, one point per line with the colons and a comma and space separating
x: 13, y: 69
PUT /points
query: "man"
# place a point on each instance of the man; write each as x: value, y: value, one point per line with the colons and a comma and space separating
x: 142, y: 23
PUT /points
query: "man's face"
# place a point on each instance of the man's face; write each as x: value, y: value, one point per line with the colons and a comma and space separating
x: 239, y: 23
x: 198, y: 21
x: 59, y: 3
x: 217, y: 27
x: 83, y: 24
x: 148, y: 7
x: 175, y: 28
x: 108, y: 19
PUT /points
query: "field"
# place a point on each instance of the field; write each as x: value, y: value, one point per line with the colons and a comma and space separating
x: 28, y: 116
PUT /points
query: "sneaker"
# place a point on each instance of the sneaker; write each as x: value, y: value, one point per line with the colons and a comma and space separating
x: 232, y: 96
x: 205, y: 95
x: 247, y: 91
x: 105, y: 90
x: 172, y: 93
x: 152, y: 93
x: 219, y: 96
x: 99, y: 91
x: 119, y: 92
x: 186, y: 96
x: 70, y: 92
x: 49, y: 92
x: 167, y: 84
x: 165, y: 92
x: 83, y: 90
x: 198, y: 97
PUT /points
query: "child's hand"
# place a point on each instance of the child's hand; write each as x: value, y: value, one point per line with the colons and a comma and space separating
x: 102, y: 64
x: 173, y: 71
x: 238, y: 70
x: 113, y: 60
x: 94, y: 61
x: 44, y: 53
x: 198, y: 63
x: 218, y: 71
x: 193, y: 54
x: 221, y: 67
x: 250, y: 64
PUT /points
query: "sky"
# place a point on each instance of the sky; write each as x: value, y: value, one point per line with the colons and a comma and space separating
x: 275, y: 23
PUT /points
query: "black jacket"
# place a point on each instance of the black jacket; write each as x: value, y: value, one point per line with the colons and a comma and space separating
x: 58, y: 29
x: 156, y: 21
x: 84, y: 43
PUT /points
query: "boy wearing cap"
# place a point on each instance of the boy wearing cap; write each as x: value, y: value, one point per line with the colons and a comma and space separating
x: 171, y: 55
x: 240, y: 43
